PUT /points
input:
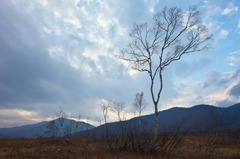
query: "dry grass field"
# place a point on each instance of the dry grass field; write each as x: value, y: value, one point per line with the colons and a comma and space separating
x: 190, y: 147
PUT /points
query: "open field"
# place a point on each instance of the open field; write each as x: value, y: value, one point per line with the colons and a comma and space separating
x: 190, y: 147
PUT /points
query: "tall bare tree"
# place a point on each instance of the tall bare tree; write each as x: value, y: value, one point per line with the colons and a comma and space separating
x: 174, y: 33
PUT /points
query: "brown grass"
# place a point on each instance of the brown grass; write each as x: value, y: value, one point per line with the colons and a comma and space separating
x: 191, y: 147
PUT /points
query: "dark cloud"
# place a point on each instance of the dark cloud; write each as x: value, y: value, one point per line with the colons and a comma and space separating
x: 30, y: 79
x: 220, y: 80
x: 211, y: 79
x: 225, y: 103
x: 28, y: 76
x: 235, y: 91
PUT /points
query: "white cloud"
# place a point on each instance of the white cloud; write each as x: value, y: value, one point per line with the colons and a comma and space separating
x: 238, y: 24
x: 234, y: 58
x: 16, y: 117
x: 211, y: 9
x: 214, y: 89
x: 72, y: 63
x: 223, y: 33
x: 231, y: 8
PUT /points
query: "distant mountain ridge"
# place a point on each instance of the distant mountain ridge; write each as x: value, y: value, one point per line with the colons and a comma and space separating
x: 197, y: 120
x: 58, y: 127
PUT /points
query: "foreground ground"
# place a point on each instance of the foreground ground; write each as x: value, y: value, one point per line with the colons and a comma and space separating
x: 190, y: 147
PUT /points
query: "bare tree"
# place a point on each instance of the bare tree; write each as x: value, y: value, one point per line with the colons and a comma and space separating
x: 99, y: 120
x: 139, y: 103
x: 118, y: 109
x: 105, y: 106
x: 173, y: 34
x: 61, y: 118
x: 55, y: 127
x: 52, y: 129
x: 113, y: 142
x: 63, y: 126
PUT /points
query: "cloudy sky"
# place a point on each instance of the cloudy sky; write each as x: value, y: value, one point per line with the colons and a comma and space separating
x: 56, y: 53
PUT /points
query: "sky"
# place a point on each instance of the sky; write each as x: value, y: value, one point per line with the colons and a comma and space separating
x: 63, y: 54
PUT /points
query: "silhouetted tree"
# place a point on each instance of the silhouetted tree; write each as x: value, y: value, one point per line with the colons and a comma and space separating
x: 63, y: 126
x: 139, y: 103
x: 105, y: 106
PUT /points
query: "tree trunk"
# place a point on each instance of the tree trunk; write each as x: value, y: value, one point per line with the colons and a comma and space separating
x: 155, y: 130
x: 156, y: 123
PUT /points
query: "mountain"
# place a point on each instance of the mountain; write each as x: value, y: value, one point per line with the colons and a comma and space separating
x: 196, y: 120
x: 54, y: 128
